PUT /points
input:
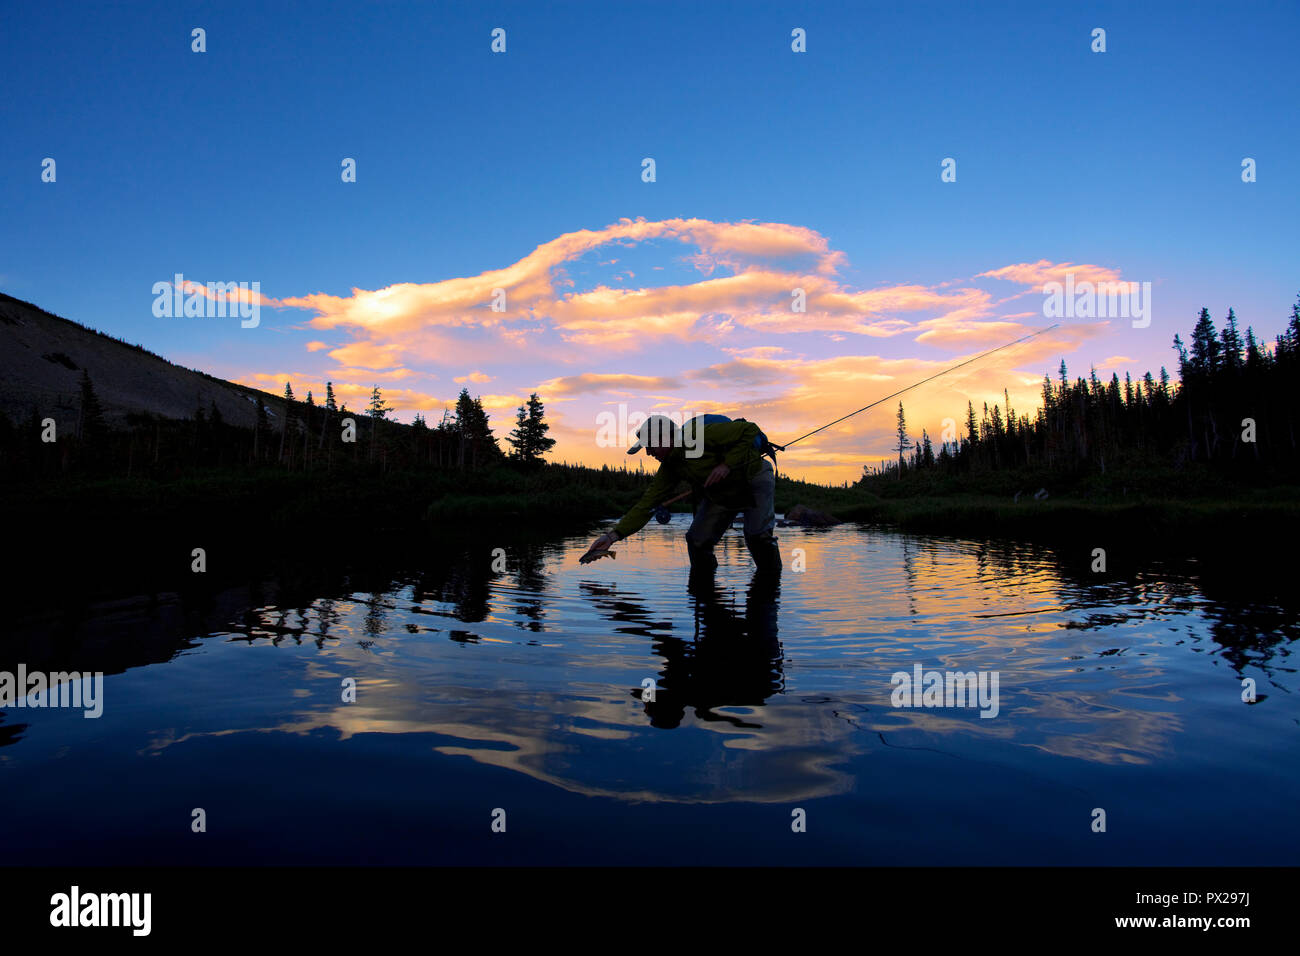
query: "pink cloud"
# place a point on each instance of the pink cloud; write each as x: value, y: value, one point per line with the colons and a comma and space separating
x: 1043, y: 271
x: 234, y: 296
x: 356, y: 395
x: 727, y: 318
x: 594, y: 382
x: 791, y: 396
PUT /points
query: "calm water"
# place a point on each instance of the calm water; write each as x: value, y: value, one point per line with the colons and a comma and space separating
x: 523, y: 690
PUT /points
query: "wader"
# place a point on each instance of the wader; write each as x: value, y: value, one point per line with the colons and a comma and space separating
x: 712, y: 520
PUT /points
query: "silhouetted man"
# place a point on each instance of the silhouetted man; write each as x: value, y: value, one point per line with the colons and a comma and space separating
x: 723, y: 462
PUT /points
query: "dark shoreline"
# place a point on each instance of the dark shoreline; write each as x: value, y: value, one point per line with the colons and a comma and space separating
x: 78, y: 542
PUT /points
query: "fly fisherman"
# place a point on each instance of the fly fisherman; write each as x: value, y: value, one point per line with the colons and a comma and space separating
x: 723, y: 463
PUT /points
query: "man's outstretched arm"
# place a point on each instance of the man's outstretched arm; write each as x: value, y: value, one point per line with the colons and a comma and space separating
x: 639, y: 514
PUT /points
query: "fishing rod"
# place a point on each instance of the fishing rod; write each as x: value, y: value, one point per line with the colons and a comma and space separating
x: 664, y: 506
x: 918, y: 384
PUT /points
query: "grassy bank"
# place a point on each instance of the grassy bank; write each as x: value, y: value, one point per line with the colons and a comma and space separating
x: 1167, y: 508
x: 84, y: 538
x: 1163, y: 519
x: 97, y: 537
x: 273, y: 504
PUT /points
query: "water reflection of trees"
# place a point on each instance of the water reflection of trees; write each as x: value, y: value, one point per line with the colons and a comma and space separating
x: 461, y: 579
x: 1244, y: 600
x: 733, y: 658
x: 527, y: 560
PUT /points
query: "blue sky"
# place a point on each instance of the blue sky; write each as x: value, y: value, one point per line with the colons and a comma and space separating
x: 225, y: 166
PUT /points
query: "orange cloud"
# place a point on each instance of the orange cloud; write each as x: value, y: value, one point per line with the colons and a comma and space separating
x: 790, y: 397
x: 225, y: 294
x: 561, y: 388
x: 532, y: 289
x: 1043, y: 271
x: 453, y: 320
x: 353, y: 394
x: 961, y: 334
x: 728, y: 317
x: 367, y: 355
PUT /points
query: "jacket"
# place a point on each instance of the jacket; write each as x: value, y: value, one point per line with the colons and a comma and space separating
x: 737, y: 444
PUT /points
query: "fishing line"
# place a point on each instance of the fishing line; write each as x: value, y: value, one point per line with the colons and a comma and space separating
x: 918, y: 384
x: 663, y: 515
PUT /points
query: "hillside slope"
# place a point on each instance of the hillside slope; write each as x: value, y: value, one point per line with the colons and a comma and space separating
x: 42, y: 355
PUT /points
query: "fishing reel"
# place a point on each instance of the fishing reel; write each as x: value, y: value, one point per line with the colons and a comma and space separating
x: 662, y: 514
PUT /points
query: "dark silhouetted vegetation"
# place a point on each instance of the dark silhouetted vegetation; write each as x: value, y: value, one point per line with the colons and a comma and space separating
x: 1143, y: 460
x: 1230, y: 422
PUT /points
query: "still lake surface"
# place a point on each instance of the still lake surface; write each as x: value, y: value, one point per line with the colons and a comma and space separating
x: 522, y: 690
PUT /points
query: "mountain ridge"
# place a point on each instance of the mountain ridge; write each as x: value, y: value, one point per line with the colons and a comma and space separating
x: 42, y: 356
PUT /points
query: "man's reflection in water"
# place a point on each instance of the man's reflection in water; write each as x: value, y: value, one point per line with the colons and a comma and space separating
x: 734, y: 660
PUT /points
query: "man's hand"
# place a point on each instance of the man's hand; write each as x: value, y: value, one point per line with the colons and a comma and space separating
x: 717, y: 474
x: 599, y: 548
x: 604, y: 542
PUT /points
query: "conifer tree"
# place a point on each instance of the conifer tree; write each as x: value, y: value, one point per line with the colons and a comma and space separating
x: 529, y: 437
x: 904, y: 442
x: 1231, y: 344
x: 90, y: 417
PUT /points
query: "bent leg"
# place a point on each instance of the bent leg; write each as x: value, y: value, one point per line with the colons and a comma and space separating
x: 760, y: 522
x: 711, y: 522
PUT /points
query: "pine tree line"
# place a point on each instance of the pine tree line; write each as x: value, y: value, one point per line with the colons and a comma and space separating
x: 1234, y: 409
x: 294, y: 434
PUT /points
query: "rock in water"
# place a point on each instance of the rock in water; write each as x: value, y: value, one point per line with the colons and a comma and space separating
x: 806, y: 517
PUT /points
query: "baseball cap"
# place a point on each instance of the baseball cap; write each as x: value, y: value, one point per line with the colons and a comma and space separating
x: 657, y: 431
